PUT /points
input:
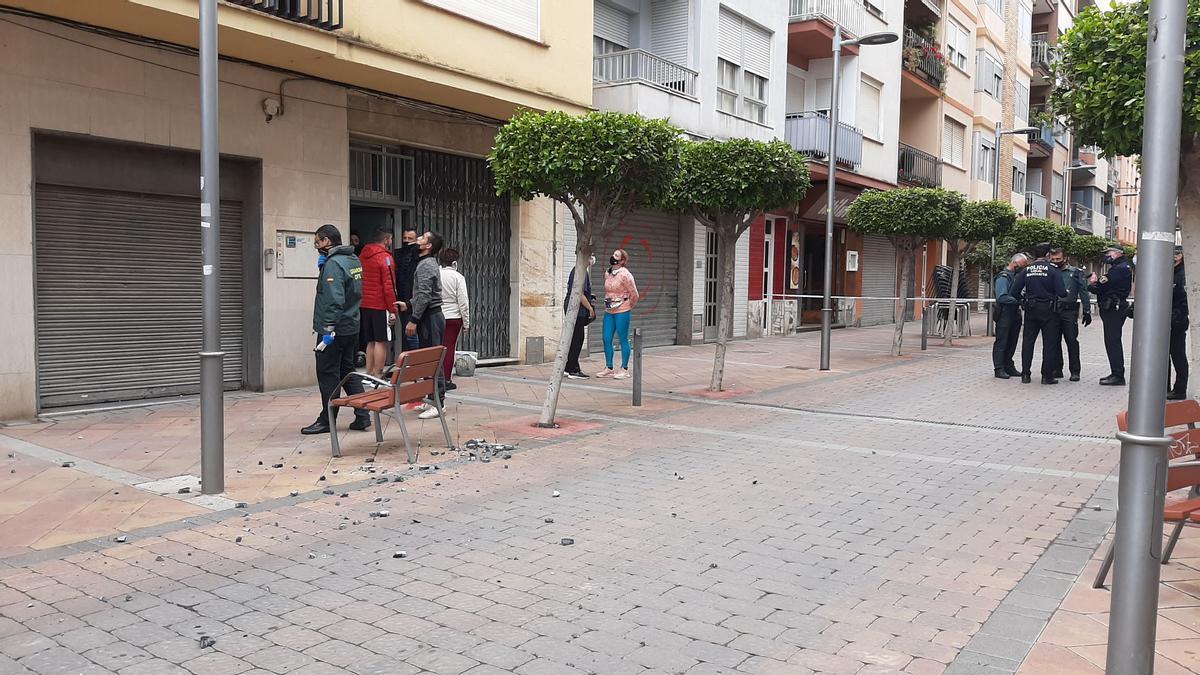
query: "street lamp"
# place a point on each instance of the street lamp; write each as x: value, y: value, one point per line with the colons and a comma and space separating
x: 1067, y: 169
x: 827, y: 302
x: 1000, y: 131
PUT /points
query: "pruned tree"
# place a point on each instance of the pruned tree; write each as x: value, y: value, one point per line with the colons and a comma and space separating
x: 1101, y: 92
x: 1027, y: 233
x: 979, y: 223
x: 908, y: 217
x: 726, y: 186
x: 600, y: 166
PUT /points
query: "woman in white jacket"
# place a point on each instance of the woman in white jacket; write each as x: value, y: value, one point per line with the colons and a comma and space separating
x: 456, y: 307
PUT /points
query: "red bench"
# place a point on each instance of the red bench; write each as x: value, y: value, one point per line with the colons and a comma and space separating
x: 413, y: 379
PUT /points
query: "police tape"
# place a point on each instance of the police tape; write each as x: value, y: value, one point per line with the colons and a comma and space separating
x: 876, y: 297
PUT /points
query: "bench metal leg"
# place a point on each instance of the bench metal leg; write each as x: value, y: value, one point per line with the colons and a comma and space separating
x: 441, y: 408
x: 1105, y: 566
x: 408, y: 448
x: 333, y: 437
x: 378, y: 428
x: 1171, y: 542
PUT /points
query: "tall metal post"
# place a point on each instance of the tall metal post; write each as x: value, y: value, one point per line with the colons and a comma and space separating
x: 827, y: 300
x: 1131, y: 627
x: 637, y: 367
x: 995, y: 196
x: 212, y: 421
x: 1066, y: 208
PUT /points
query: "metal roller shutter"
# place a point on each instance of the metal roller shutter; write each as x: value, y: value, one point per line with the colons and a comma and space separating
x: 670, y: 33
x: 652, y: 241
x: 612, y: 24
x: 879, y: 271
x: 118, y: 295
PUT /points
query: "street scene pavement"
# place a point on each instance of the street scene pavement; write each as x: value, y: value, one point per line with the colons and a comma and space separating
x: 897, y: 514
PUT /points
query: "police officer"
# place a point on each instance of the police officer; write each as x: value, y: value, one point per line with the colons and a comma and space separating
x: 336, y: 323
x: 1112, y: 292
x: 1007, y: 315
x: 1043, y: 287
x: 1179, y: 327
x: 1068, y: 310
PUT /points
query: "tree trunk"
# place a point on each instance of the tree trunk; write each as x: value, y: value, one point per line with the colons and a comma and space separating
x: 952, y: 319
x: 907, y: 269
x: 550, y: 404
x: 1189, y: 225
x: 727, y: 236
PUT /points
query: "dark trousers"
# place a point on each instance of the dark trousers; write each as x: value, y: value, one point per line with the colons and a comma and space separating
x: 1179, y: 357
x: 1041, y: 319
x: 1068, y: 323
x: 1008, y: 333
x: 430, y: 331
x: 1114, y: 323
x: 581, y: 323
x: 333, y: 363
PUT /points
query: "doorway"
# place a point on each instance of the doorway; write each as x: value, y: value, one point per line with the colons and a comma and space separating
x: 712, y: 263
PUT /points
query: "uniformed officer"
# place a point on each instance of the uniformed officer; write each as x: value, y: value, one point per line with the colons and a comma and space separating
x: 1068, y: 310
x: 1179, y: 327
x: 1112, y: 293
x: 1043, y: 287
x: 1007, y: 315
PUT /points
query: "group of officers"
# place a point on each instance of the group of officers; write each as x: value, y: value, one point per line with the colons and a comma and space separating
x: 1053, y: 295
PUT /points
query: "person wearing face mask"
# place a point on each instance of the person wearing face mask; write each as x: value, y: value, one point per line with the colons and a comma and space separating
x: 1112, y: 292
x: 620, y: 297
x: 406, y: 258
x: 1068, y: 311
x: 587, y: 314
x: 1179, y: 327
x: 336, y: 323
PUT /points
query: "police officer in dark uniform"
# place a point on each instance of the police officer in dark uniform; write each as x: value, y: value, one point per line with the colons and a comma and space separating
x: 1179, y: 327
x: 1007, y: 315
x: 1112, y: 292
x: 1043, y: 287
x: 1068, y: 311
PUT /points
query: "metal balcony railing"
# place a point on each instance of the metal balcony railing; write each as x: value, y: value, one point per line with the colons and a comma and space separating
x: 1035, y: 205
x: 323, y: 14
x: 849, y: 14
x: 1041, y: 51
x: 639, y: 65
x: 808, y: 133
x: 915, y: 167
x: 1045, y: 137
x: 924, y: 58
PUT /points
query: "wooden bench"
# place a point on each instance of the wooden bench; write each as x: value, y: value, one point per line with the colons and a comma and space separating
x: 413, y: 379
x: 1178, y: 509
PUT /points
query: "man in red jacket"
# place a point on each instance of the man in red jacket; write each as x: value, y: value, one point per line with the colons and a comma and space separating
x: 379, y: 299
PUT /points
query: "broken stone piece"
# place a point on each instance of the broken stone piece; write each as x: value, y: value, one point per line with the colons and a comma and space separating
x: 277, y: 466
x: 206, y: 642
x: 507, y: 455
x: 240, y: 505
x: 120, y: 540
x: 384, y: 514
x: 67, y: 465
x: 712, y: 566
x: 185, y: 490
x: 335, y: 471
x: 295, y: 493
x: 555, y: 494
x: 567, y: 541
x: 400, y: 554
x: 237, y: 540
x: 369, y: 460
x: 321, y: 478
x: 345, y: 495
x: 158, y: 558
x: 312, y: 556
x: 327, y: 491
x: 549, y: 520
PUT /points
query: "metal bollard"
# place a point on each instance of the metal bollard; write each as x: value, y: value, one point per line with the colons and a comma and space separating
x: 924, y: 327
x: 637, y: 367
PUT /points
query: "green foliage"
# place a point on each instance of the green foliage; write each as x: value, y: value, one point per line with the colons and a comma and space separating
x: 624, y: 160
x: 912, y: 213
x: 1130, y: 251
x: 1101, y: 74
x: 727, y: 181
x: 983, y: 220
x: 1088, y: 248
x: 1029, y: 232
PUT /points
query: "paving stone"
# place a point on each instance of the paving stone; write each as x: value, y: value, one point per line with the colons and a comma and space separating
x: 25, y: 644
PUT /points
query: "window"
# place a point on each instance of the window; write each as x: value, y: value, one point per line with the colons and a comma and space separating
x: 958, y: 42
x: 989, y: 74
x: 824, y: 95
x: 874, y: 6
x: 1019, y: 176
x: 1056, y: 191
x: 1022, y: 109
x: 996, y: 5
x: 869, y: 101
x: 985, y: 158
x: 953, y: 135
x: 1025, y: 24
x: 600, y: 46
x: 521, y: 17
x: 743, y: 67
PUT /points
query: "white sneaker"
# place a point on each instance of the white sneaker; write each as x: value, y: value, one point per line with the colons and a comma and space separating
x: 623, y: 375
x: 607, y: 372
x: 429, y: 414
x: 420, y: 408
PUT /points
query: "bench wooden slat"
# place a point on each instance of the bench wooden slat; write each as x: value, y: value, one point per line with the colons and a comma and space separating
x: 1181, y: 510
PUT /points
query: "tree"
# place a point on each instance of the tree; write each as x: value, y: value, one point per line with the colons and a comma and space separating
x: 727, y: 185
x: 980, y: 222
x: 601, y: 166
x: 1101, y: 92
x: 908, y: 217
x: 1029, y: 232
x: 1088, y: 248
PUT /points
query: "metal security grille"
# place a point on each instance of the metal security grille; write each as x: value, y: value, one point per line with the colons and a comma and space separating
x: 878, y: 267
x: 652, y: 241
x: 456, y: 197
x: 379, y: 174
x: 118, y: 295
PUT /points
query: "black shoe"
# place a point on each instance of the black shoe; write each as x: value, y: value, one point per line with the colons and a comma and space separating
x: 1001, y: 374
x: 1011, y: 370
x: 450, y: 386
x: 1176, y: 396
x: 1049, y: 380
x: 318, y: 427
x: 1058, y: 375
x: 361, y: 424
x: 1074, y: 377
x: 1026, y: 379
x: 1113, y: 381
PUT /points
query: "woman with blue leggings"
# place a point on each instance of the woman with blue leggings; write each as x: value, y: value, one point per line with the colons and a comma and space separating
x: 620, y: 297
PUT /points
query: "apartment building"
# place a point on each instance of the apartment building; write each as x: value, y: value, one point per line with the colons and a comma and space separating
x: 1125, y: 185
x: 360, y: 113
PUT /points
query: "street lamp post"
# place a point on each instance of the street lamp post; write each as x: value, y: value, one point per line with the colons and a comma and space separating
x: 827, y: 300
x: 1000, y: 131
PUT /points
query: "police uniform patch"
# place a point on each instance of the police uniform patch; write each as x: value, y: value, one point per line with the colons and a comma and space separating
x: 329, y: 279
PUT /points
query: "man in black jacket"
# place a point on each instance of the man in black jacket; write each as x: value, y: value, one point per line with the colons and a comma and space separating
x: 406, y: 258
x: 1112, y: 292
x: 1043, y: 287
x: 1179, y: 327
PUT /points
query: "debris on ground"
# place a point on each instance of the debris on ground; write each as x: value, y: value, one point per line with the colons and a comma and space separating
x: 400, y: 554
x: 549, y: 520
x: 121, y: 539
x: 555, y: 494
x: 240, y: 505
x: 295, y: 493
x: 206, y: 642
x: 184, y: 490
x: 567, y: 541
x: 67, y: 465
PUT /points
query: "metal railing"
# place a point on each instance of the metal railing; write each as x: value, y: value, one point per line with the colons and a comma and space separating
x: 926, y: 59
x: 1045, y: 137
x: 323, y: 14
x: 639, y: 65
x: 1035, y: 205
x: 918, y: 168
x: 849, y: 14
x: 1041, y: 51
x: 808, y: 133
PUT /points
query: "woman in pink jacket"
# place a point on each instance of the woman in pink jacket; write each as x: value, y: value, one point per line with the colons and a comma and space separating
x: 620, y: 297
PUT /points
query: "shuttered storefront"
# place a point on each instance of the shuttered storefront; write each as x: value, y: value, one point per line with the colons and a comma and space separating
x: 879, y: 271
x: 652, y: 241
x: 118, y: 297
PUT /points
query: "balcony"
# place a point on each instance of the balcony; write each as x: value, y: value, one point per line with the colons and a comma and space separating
x: 1087, y: 221
x: 1035, y: 205
x: 323, y: 14
x: 923, y: 58
x: 850, y: 15
x: 917, y: 168
x: 639, y: 65
x: 1041, y: 52
x: 808, y: 133
x: 918, y: 12
x: 1041, y: 144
